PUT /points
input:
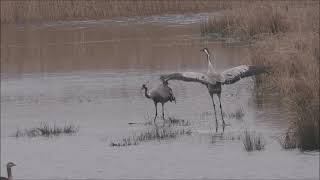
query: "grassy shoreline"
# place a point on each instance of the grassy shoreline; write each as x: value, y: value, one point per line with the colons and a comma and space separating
x: 54, y: 10
x: 26, y: 11
x: 287, y: 40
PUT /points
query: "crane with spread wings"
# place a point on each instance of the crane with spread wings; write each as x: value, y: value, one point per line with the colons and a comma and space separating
x: 214, y: 80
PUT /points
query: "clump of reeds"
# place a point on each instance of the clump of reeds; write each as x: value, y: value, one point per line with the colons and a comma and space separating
x: 44, y: 129
x: 225, y: 137
x: 179, y: 122
x: 252, y: 141
x: 288, y: 141
x: 170, y: 121
x: 129, y: 141
x: 156, y: 133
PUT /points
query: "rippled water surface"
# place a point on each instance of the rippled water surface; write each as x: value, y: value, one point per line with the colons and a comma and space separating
x: 89, y: 73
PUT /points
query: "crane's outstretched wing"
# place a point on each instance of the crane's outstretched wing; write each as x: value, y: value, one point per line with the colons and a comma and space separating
x: 233, y: 75
x: 187, y: 76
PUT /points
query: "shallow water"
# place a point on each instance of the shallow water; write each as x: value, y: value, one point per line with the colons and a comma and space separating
x: 89, y: 73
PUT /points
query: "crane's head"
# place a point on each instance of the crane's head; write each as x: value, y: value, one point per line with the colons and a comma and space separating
x: 10, y: 164
x: 143, y: 86
x: 205, y: 50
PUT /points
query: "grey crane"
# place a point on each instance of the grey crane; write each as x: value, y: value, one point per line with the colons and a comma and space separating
x: 9, y: 165
x: 162, y: 94
x: 214, y: 80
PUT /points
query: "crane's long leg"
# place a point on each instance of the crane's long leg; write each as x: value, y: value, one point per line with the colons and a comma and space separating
x: 155, y: 105
x: 215, y: 114
x: 164, y: 121
x: 162, y: 111
x: 223, y: 123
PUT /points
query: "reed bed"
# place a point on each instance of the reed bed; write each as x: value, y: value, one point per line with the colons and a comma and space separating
x: 294, y: 61
x: 285, y: 38
x: 46, y: 130
x: 243, y: 23
x: 263, y: 18
x: 52, y: 10
x: 155, y: 133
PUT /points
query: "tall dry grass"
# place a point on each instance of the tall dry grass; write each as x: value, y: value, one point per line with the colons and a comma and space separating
x: 244, y: 23
x: 285, y: 38
x: 295, y: 59
x: 247, y: 21
x: 51, y: 10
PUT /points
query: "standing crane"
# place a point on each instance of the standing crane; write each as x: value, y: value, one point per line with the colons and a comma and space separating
x: 213, y: 80
x: 162, y: 94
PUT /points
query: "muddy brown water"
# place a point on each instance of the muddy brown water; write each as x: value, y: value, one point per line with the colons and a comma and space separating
x: 92, y: 46
x: 89, y: 73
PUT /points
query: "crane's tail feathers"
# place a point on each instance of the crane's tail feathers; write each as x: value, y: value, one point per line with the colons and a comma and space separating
x: 172, y: 98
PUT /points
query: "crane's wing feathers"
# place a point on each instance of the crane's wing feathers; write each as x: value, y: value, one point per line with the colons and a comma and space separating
x: 187, y: 76
x: 233, y: 75
x: 228, y: 76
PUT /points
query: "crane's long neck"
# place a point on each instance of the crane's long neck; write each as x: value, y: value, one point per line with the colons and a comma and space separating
x: 211, y: 67
x: 146, y: 92
x: 9, y: 173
